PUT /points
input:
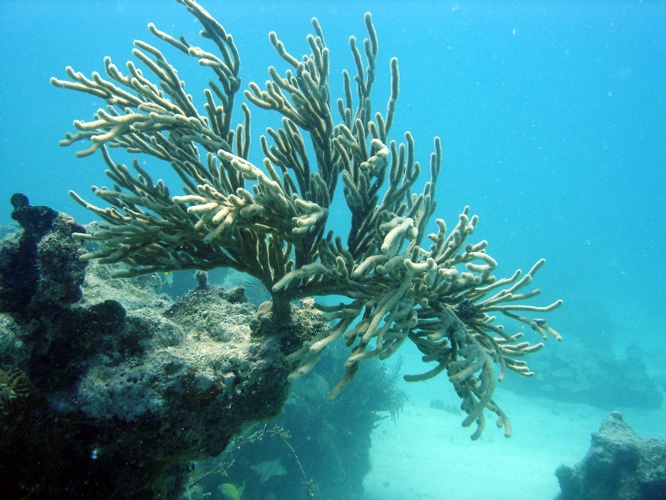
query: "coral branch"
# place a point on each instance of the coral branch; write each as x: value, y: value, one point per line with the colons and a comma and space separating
x: 271, y: 220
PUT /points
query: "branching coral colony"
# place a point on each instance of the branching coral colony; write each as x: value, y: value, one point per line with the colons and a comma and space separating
x: 270, y: 221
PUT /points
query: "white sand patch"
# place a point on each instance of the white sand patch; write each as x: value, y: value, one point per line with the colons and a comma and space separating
x: 426, y: 454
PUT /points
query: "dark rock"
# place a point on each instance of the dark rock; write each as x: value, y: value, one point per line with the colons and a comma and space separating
x: 36, y: 221
x: 620, y: 465
x: 123, y: 388
x: 40, y: 265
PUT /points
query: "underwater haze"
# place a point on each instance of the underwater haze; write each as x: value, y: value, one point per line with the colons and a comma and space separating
x: 552, y: 116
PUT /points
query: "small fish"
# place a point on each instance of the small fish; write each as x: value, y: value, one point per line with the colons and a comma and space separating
x: 231, y: 491
x: 167, y: 278
x: 268, y: 469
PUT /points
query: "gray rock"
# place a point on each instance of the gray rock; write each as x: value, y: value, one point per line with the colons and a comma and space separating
x: 620, y: 465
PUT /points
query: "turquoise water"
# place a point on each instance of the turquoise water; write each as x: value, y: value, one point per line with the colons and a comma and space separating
x: 552, y: 117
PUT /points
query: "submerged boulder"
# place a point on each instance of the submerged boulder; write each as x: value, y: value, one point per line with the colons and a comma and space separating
x: 620, y: 465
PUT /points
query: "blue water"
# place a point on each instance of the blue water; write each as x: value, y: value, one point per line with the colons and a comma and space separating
x: 552, y: 117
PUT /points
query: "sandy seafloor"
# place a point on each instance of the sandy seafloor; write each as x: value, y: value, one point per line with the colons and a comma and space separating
x: 426, y: 454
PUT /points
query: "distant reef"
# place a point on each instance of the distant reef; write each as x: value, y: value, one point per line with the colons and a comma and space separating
x: 592, y: 376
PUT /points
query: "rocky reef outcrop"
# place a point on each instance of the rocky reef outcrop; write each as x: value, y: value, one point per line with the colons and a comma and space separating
x: 109, y: 388
x: 620, y: 465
